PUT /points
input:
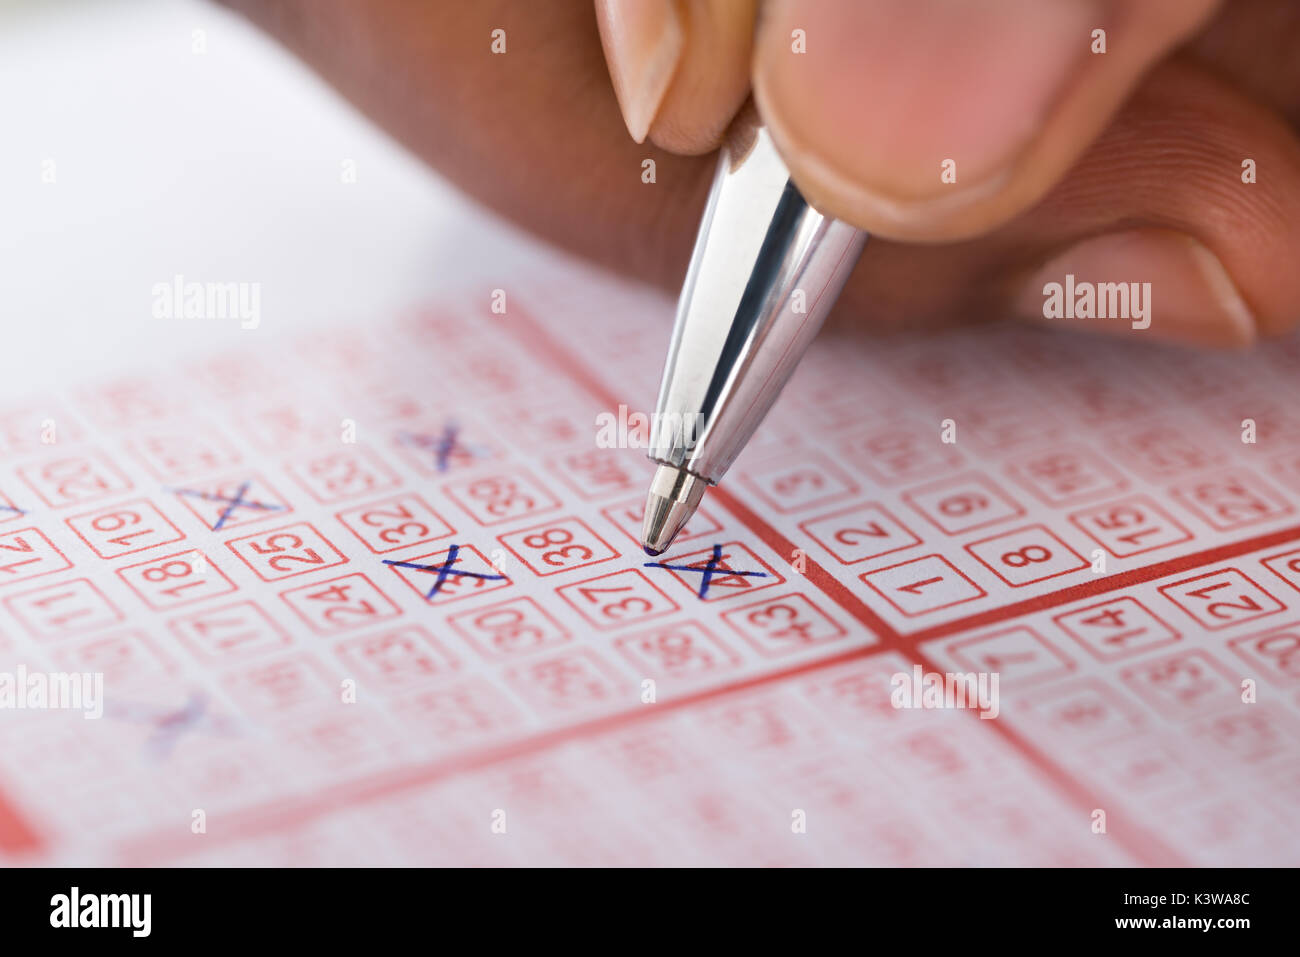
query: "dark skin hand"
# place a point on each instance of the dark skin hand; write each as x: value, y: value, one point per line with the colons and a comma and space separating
x: 1125, y: 165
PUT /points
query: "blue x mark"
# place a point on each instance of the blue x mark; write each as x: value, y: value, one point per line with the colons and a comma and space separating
x: 442, y: 446
x: 168, y: 726
x: 443, y: 571
x: 708, y: 571
x: 231, y: 503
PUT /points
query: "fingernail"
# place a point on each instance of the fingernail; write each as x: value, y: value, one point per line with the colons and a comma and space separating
x: 1158, y: 283
x: 643, y: 41
x: 891, y: 95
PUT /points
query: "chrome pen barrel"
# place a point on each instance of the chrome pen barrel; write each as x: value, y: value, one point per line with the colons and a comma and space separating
x: 765, y: 271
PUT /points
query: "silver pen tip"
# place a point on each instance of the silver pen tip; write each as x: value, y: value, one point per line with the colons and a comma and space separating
x: 674, y: 496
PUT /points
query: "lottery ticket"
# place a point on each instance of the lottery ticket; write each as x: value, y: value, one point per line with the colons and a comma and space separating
x: 378, y: 597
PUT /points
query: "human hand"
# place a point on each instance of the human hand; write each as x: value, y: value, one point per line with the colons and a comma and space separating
x: 1119, y: 166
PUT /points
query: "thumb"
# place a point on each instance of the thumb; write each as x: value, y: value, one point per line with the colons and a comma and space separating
x: 942, y: 119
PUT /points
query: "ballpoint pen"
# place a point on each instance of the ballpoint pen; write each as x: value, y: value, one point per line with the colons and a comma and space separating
x: 764, y: 273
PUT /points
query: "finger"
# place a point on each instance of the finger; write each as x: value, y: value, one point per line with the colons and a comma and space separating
x: 941, y: 119
x: 1159, y: 198
x: 1254, y: 43
x: 680, y: 70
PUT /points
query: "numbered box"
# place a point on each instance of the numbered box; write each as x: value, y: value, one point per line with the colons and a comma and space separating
x: 595, y: 474
x: 617, y: 599
x: 66, y: 609
x: 35, y: 426
x: 1138, y: 767
x: 287, y: 684
x: 393, y: 523
x: 963, y: 504
x: 1274, y: 653
x: 1161, y: 451
x: 1027, y: 555
x: 683, y: 652
x: 1231, y: 501
x: 1184, y: 685
x: 399, y: 657
x: 792, y: 486
x: 557, y: 546
x: 343, y: 741
x: 508, y: 629
x: 1249, y: 735
x: 1131, y: 526
x: 340, y: 604
x: 784, y: 625
x: 575, y: 680
x: 860, y: 533
x: 1118, y: 628
x: 1103, y: 400
x: 763, y: 723
x: 716, y: 574
x: 629, y: 516
x: 494, y: 499
x: 1004, y: 420
x: 1080, y: 713
x: 551, y: 426
x: 1067, y: 476
x: 1021, y: 656
x: 26, y: 554
x: 1222, y: 598
x: 284, y: 552
x: 125, y: 529
x: 466, y: 712
x: 123, y: 659
x: 277, y: 425
x: 440, y: 578
x: 343, y: 474
x: 74, y: 479
x: 923, y: 586
x: 1285, y: 566
x: 228, y: 503
x: 860, y: 692
x: 174, y: 455
x: 177, y: 579
x: 129, y: 401
x: 235, y: 631
x: 904, y: 453
x: 1286, y: 468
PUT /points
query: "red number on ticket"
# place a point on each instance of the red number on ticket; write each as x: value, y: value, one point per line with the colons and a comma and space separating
x: 125, y: 529
x: 394, y: 523
x: 1130, y: 526
x: 27, y: 554
x: 341, y: 604
x: 494, y: 499
x: 557, y: 546
x: 239, y: 630
x: 1222, y: 599
x: 509, y: 628
x: 621, y: 598
x: 285, y: 552
x: 73, y: 480
x: 1116, y: 629
x: 781, y: 626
